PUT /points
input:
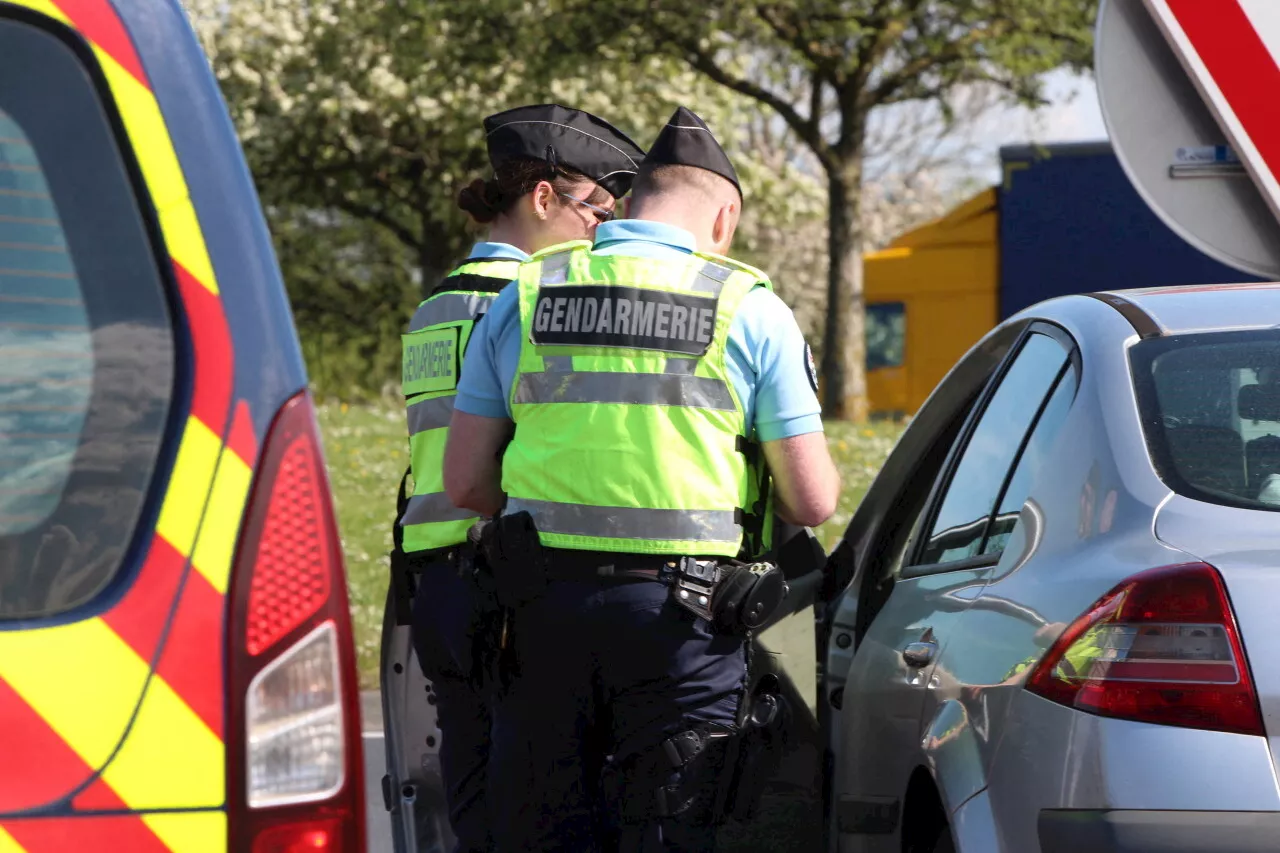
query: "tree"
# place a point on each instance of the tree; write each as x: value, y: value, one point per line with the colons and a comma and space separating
x: 374, y: 110
x: 360, y: 121
x: 850, y: 58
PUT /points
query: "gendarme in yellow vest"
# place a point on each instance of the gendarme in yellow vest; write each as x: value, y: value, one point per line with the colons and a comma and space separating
x: 433, y: 350
x: 629, y: 434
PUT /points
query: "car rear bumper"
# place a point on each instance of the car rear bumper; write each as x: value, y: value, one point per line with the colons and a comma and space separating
x: 1131, y: 831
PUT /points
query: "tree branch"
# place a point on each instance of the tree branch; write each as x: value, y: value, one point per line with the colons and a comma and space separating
x: 816, y: 82
x: 794, y: 38
x: 955, y: 53
x: 806, y: 129
x: 872, y: 50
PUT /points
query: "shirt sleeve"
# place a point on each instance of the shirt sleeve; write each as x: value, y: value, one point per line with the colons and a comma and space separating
x: 480, y: 388
x: 771, y: 344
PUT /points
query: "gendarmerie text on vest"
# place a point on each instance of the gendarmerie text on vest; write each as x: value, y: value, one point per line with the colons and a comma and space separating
x: 627, y: 317
x: 432, y: 359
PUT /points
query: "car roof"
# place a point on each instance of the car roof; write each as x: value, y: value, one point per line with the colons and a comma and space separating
x: 1209, y: 307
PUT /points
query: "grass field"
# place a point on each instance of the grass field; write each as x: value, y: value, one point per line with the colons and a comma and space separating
x: 367, y: 452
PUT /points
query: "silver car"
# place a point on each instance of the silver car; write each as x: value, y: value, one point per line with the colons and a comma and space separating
x: 1053, y: 622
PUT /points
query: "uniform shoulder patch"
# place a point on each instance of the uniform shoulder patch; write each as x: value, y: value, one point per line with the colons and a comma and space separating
x: 811, y: 367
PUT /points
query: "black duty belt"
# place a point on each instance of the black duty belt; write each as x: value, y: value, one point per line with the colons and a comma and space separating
x: 567, y: 564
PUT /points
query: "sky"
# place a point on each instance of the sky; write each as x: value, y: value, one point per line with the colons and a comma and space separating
x: 1072, y: 116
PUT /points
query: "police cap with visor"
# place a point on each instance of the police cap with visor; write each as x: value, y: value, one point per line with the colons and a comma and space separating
x: 565, y: 137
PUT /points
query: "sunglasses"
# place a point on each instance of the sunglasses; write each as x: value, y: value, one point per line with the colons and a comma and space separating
x: 599, y: 213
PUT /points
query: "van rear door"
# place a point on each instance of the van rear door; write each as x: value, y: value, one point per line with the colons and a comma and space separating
x: 128, y: 439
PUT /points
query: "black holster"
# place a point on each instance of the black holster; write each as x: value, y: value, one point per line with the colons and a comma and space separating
x: 760, y: 748
x: 515, y: 559
x: 735, y: 597
x: 705, y: 775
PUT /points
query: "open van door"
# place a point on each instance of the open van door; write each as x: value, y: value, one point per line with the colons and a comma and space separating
x: 412, y: 789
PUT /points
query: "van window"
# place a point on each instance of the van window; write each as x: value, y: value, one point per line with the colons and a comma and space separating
x: 886, y: 334
x: 86, y: 344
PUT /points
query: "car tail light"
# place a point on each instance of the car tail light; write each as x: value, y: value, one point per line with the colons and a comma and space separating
x: 1162, y: 647
x: 294, y: 715
x: 295, y: 780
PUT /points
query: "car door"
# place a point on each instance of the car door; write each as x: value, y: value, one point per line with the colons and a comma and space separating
x: 920, y: 573
x: 960, y: 715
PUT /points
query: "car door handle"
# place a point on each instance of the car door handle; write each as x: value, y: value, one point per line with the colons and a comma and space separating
x: 920, y: 654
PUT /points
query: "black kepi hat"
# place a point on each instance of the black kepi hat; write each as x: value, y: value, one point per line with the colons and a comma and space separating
x: 562, y: 136
x: 687, y: 141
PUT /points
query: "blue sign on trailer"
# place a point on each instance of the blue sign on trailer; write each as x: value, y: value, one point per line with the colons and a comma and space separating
x: 1071, y: 222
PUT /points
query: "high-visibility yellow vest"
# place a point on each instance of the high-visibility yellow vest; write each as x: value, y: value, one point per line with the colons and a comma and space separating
x: 629, y: 435
x: 433, y: 350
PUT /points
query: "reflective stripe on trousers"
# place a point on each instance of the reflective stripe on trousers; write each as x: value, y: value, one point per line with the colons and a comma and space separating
x: 629, y: 522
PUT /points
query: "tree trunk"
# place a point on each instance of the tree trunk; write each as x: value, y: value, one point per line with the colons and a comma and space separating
x: 844, y: 344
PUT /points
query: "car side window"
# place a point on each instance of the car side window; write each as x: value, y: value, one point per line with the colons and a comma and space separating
x: 1032, y: 459
x: 960, y: 526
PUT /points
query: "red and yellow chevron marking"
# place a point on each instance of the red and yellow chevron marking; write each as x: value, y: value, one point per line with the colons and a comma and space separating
x: 63, y: 725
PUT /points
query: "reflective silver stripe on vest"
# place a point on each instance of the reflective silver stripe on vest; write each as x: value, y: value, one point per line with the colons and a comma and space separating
x: 434, y: 507
x: 450, y: 308
x: 711, y: 278
x: 557, y: 363
x: 698, y: 525
x: 684, y: 366
x: 555, y: 268
x: 430, y: 414
x: 641, y: 389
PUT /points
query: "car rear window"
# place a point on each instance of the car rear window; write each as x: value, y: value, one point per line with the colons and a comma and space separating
x: 86, y: 342
x: 1210, y: 408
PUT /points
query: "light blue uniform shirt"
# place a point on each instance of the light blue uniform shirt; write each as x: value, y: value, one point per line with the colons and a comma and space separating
x: 767, y: 355
x: 484, y: 251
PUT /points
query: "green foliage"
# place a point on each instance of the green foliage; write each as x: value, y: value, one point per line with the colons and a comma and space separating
x: 351, y: 285
x: 366, y: 453
x: 858, y: 451
x: 361, y: 121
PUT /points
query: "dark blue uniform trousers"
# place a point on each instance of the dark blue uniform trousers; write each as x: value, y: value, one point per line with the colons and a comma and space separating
x: 445, y: 620
x: 609, y: 667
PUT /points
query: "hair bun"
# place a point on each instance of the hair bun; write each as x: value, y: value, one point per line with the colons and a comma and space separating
x: 478, y: 200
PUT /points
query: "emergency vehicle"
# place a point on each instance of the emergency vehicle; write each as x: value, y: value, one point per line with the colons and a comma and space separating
x: 176, y: 663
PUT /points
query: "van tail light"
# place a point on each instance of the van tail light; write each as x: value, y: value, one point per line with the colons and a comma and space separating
x: 294, y: 760
x: 1162, y: 647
